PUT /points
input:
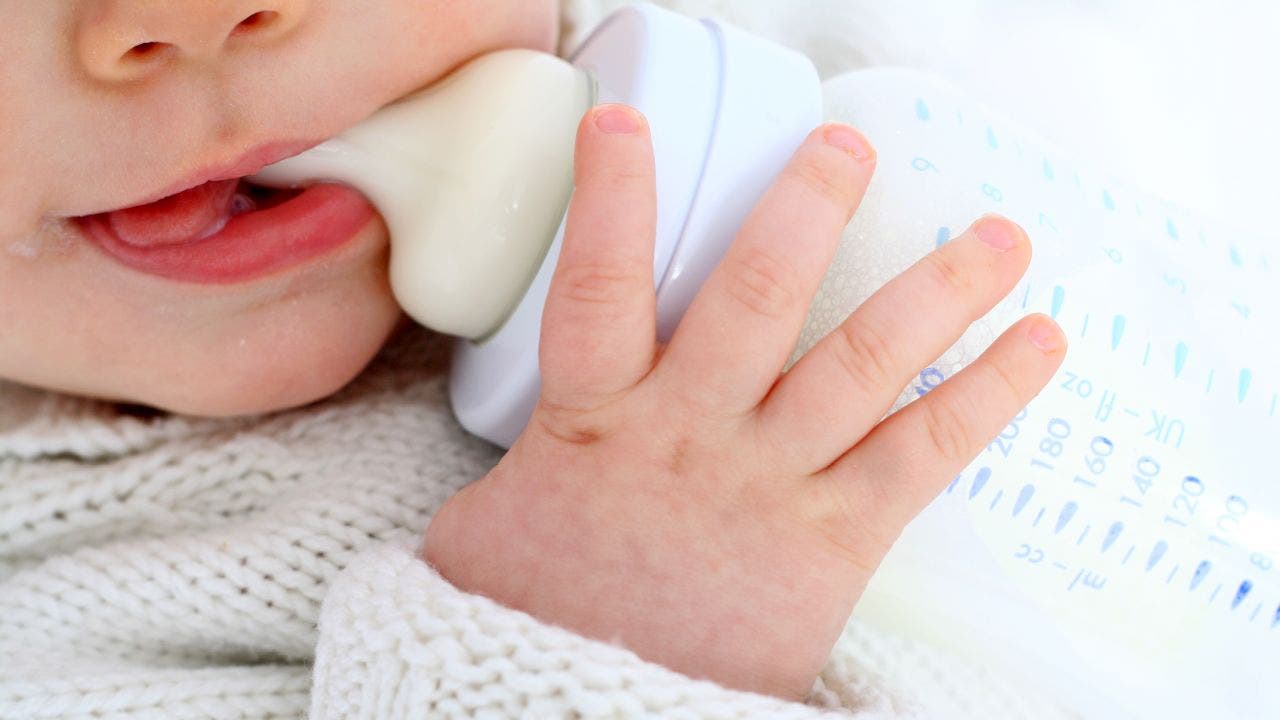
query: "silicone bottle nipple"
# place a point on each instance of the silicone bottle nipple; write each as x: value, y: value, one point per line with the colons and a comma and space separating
x: 472, y: 175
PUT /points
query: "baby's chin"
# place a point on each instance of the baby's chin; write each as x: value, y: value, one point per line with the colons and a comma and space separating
x: 291, y: 373
x: 281, y: 355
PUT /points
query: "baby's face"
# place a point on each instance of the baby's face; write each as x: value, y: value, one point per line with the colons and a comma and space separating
x: 224, y: 299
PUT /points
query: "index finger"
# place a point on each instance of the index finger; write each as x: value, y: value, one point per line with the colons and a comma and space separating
x: 598, y: 324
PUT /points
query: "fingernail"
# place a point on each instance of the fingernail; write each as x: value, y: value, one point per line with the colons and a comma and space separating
x: 617, y: 120
x: 1046, y: 336
x: 845, y: 138
x: 996, y: 232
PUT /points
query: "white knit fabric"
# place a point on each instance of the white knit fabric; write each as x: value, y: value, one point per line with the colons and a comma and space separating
x: 172, y: 567
x: 266, y: 567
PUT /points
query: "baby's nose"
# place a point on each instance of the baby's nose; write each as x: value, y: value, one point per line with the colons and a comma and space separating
x: 125, y: 40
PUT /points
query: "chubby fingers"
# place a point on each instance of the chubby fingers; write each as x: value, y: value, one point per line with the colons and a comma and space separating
x: 842, y: 387
x: 598, y: 323
x: 907, y: 459
x: 736, y: 336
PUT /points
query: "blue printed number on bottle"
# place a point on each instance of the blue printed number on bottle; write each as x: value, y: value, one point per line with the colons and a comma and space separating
x: 924, y: 165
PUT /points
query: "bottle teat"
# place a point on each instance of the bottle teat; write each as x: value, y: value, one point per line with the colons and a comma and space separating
x: 472, y: 176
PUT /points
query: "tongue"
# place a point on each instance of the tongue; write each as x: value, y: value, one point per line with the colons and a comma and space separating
x: 191, y: 215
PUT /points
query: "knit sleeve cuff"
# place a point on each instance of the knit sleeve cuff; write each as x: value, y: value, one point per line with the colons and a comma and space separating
x: 399, y: 641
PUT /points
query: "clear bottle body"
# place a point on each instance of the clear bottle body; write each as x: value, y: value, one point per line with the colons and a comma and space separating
x: 1116, y: 544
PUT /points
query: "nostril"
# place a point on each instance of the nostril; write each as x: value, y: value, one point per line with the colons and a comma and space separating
x: 146, y: 52
x: 258, y: 21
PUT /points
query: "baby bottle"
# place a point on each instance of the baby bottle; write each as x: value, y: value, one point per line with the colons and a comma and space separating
x: 1116, y: 544
x: 1114, y: 547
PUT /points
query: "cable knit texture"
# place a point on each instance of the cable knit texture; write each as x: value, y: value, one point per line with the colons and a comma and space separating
x: 267, y: 567
x: 172, y: 567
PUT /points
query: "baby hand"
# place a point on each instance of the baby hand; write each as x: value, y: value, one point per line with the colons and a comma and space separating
x: 687, y: 500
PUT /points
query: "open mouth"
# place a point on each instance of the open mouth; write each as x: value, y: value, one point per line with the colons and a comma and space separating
x: 193, y: 215
x: 229, y: 231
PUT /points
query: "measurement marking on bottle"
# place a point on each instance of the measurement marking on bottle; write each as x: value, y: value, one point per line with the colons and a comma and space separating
x: 979, y: 482
x: 1254, y: 615
x: 1024, y: 497
x: 953, y: 484
x: 1128, y: 555
x: 1085, y: 330
x: 1059, y: 297
x: 1026, y: 297
x: 1214, y: 595
x: 1198, y: 576
x: 1117, y: 331
x: 1084, y: 534
x: 1096, y: 582
x: 1180, y: 354
x: 995, y: 501
x: 1146, y: 358
x: 922, y: 109
x: 1068, y: 511
x: 1208, y: 387
x: 1157, y: 553
x: 1113, y: 534
x: 1039, y: 515
x: 1172, y: 573
x: 1236, y: 258
x: 1242, y: 592
x: 1275, y: 619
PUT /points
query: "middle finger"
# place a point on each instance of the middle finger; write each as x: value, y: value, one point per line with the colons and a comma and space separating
x: 740, y: 329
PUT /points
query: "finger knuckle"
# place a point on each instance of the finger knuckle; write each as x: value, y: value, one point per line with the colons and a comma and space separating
x: 764, y: 282
x: 1006, y: 382
x: 624, y: 179
x: 825, y: 179
x: 600, y: 286
x: 865, y: 354
x: 949, y: 274
x: 570, y: 424
x: 852, y: 524
x: 948, y: 429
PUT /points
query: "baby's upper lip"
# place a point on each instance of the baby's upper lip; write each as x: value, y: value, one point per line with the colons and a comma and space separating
x: 248, y: 163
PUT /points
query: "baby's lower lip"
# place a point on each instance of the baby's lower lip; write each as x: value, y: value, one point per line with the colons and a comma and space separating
x: 283, y: 234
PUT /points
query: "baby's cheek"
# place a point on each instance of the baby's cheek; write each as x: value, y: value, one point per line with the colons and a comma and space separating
x: 20, y: 211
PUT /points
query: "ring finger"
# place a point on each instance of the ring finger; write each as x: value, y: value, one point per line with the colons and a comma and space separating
x: 838, y: 391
